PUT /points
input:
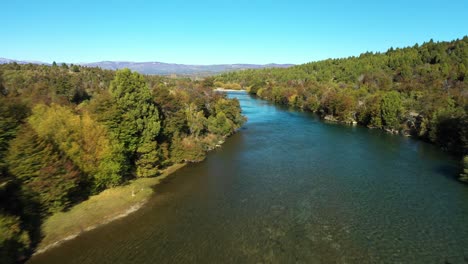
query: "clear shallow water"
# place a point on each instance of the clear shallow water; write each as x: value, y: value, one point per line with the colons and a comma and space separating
x: 289, y: 188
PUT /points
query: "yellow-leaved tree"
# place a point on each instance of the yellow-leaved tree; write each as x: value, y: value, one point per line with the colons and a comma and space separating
x: 83, y: 140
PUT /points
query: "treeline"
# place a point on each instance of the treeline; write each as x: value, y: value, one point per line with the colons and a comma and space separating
x: 71, y: 132
x: 420, y: 91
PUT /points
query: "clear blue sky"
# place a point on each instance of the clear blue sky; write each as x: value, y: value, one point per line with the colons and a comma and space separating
x: 221, y: 31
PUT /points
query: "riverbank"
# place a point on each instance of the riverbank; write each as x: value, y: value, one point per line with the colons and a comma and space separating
x: 99, y: 209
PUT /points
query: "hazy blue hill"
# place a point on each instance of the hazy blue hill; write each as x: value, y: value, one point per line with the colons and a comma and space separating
x: 5, y: 60
x: 172, y: 68
x: 162, y: 68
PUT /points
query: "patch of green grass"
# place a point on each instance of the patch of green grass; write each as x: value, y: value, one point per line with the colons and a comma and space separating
x: 100, y: 209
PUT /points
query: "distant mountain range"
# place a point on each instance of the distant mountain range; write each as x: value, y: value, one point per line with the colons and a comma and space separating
x: 4, y: 60
x: 161, y: 68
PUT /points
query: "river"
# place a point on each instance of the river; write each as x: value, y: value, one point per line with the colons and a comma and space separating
x: 289, y: 188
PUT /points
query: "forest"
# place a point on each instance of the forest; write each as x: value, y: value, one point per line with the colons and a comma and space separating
x: 419, y: 91
x: 68, y: 132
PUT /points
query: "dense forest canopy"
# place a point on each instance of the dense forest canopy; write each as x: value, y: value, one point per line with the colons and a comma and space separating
x: 68, y: 132
x: 420, y: 91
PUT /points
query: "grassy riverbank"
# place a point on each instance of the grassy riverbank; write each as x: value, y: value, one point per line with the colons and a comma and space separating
x: 99, y: 209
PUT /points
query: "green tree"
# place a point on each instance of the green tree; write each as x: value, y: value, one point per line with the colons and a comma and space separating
x: 12, y: 113
x: 391, y: 108
x: 75, y: 68
x: 231, y: 109
x: 139, y: 123
x: 370, y: 113
x: 208, y: 82
x: 46, y: 175
x: 186, y: 149
x: 195, y: 119
x: 312, y: 104
x: 14, y: 241
x: 220, y: 124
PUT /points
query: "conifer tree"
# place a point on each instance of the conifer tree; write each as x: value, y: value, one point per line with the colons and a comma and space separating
x: 139, y: 122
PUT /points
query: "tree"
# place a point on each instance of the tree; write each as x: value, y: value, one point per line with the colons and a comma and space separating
x: 220, y: 124
x: 139, y: 122
x: 370, y: 113
x: 46, y: 175
x: 195, y: 119
x: 75, y: 68
x: 312, y: 104
x: 391, y: 108
x: 208, y: 82
x: 14, y: 241
x: 83, y: 140
x: 12, y: 113
x: 464, y: 174
x: 186, y: 149
x: 231, y: 109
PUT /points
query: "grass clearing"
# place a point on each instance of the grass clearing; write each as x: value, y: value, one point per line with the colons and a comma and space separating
x: 99, y: 209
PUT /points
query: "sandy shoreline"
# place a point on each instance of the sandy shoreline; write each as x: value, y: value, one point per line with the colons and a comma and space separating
x: 227, y: 90
x: 106, y: 221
